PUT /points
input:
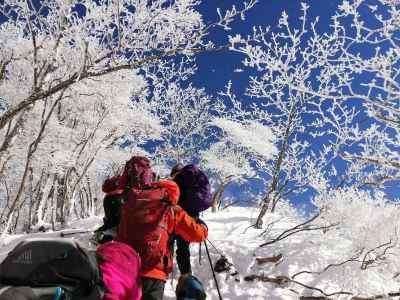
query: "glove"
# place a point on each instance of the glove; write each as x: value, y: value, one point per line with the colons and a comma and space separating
x: 200, y: 221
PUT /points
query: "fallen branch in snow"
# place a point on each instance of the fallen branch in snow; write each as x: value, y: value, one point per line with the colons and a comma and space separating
x: 389, y: 295
x: 313, y: 298
x: 299, y: 228
x: 271, y: 259
x: 319, y: 290
x: 247, y: 228
x: 352, y: 259
x: 280, y: 280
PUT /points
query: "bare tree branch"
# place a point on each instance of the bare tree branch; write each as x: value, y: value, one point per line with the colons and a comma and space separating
x: 298, y: 228
x: 85, y: 74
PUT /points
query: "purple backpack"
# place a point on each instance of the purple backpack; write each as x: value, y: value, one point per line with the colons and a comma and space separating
x: 195, y: 189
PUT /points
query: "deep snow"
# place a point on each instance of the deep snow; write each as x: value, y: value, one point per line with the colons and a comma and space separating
x: 229, y: 231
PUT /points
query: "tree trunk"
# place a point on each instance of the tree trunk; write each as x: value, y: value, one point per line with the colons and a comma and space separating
x: 44, y: 205
x: 87, y: 198
x: 60, y: 196
x: 53, y: 210
x: 29, y: 223
x: 89, y: 189
x: 14, y: 229
x: 263, y: 211
x: 31, y: 150
x: 39, y: 196
x: 277, y: 168
x: 6, y: 228
x: 217, y: 197
x: 22, y: 183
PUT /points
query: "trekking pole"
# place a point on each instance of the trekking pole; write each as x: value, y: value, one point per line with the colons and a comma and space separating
x: 216, y: 249
x: 63, y: 234
x: 212, y: 269
x: 200, y: 254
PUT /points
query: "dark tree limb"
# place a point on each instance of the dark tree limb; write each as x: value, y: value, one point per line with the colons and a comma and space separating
x: 352, y: 259
x: 271, y: 259
x: 366, y: 262
x: 281, y: 280
x: 298, y: 228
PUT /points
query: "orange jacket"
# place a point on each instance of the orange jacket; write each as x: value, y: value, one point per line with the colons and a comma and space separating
x: 179, y: 222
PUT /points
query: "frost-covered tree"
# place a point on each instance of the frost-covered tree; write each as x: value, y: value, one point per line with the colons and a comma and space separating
x: 186, y: 116
x: 374, y: 82
x: 228, y: 163
x: 238, y: 153
x: 288, y: 61
x: 326, y: 100
x: 369, y: 221
x: 68, y: 70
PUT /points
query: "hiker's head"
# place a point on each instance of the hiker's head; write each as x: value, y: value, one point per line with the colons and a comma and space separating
x: 138, y: 172
x: 175, y: 170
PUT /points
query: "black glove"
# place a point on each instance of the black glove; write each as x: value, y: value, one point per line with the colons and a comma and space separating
x: 200, y: 221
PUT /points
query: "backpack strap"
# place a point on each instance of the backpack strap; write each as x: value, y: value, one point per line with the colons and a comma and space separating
x: 172, y: 237
x: 125, y: 193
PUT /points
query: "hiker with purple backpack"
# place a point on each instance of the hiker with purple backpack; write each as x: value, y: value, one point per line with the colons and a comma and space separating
x: 194, y: 198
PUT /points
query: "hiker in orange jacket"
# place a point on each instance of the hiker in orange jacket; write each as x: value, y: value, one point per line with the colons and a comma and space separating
x: 150, y: 217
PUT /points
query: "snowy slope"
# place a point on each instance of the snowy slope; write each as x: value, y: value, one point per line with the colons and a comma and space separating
x: 230, y: 234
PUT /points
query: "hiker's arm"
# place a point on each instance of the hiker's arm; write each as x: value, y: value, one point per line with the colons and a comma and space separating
x: 188, y: 228
x: 171, y: 188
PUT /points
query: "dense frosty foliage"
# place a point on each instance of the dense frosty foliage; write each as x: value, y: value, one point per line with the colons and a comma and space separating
x: 368, y: 221
x: 331, y: 98
x: 255, y: 137
x: 84, y: 85
x: 68, y: 73
x: 80, y: 79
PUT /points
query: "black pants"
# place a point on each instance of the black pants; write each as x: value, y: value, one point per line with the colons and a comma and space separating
x: 183, y: 251
x: 152, y: 289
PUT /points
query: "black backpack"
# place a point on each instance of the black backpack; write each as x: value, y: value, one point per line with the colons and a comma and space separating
x: 36, y: 268
x: 112, y: 210
x: 112, y: 205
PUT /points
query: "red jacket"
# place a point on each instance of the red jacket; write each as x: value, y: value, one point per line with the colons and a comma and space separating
x: 178, y: 221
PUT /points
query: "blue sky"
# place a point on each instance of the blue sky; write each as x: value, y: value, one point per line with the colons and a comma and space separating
x: 216, y: 69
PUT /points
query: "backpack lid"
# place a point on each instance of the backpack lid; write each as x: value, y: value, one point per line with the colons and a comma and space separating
x: 195, y: 189
x: 137, y: 173
x: 177, y: 168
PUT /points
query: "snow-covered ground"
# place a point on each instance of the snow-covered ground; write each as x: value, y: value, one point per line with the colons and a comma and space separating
x: 230, y: 233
